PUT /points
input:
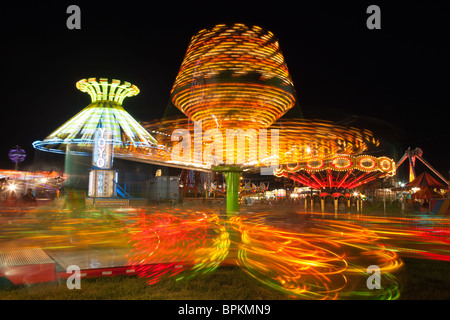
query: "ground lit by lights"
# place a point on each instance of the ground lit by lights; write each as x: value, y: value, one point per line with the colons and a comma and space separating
x: 314, y: 256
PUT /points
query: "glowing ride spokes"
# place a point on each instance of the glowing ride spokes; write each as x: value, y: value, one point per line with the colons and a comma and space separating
x: 327, y: 172
x: 104, y: 111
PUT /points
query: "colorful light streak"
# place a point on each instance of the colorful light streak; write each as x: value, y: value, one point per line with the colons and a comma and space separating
x: 421, y: 237
x: 233, y: 76
x: 28, y: 176
x: 59, y: 230
x: 176, y: 243
x: 317, y: 262
x: 301, y: 143
x: 19, y: 181
x: 302, y: 139
x: 316, y: 258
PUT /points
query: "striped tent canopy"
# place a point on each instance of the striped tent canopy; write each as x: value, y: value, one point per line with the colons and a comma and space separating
x: 425, y: 193
x: 425, y: 180
x: 105, y: 112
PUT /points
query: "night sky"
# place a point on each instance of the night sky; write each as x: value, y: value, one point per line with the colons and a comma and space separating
x: 398, y: 75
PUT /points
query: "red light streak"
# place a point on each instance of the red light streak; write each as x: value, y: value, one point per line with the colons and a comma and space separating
x: 317, y: 258
x: 163, y: 241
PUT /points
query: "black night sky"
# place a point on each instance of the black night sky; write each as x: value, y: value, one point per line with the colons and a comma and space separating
x: 341, y: 69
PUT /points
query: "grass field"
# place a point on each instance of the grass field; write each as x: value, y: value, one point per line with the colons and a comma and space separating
x: 425, y: 280
x: 224, y: 284
x: 420, y: 279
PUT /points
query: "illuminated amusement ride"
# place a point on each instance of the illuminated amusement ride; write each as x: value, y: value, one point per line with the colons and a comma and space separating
x: 234, y: 84
x: 233, y: 92
x: 412, y: 155
x: 103, y: 129
x: 233, y: 87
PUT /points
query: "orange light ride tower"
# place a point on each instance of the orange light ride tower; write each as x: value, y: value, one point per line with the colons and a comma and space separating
x: 233, y: 76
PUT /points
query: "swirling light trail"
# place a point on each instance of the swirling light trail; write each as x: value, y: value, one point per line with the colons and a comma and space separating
x: 316, y: 258
x: 315, y: 263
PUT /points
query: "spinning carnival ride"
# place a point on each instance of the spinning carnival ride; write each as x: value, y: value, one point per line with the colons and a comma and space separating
x: 412, y: 155
x: 233, y: 88
x: 234, y: 80
x: 105, y: 111
x: 103, y: 129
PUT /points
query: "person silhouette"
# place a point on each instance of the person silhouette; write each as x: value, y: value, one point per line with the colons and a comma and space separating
x: 28, y: 198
